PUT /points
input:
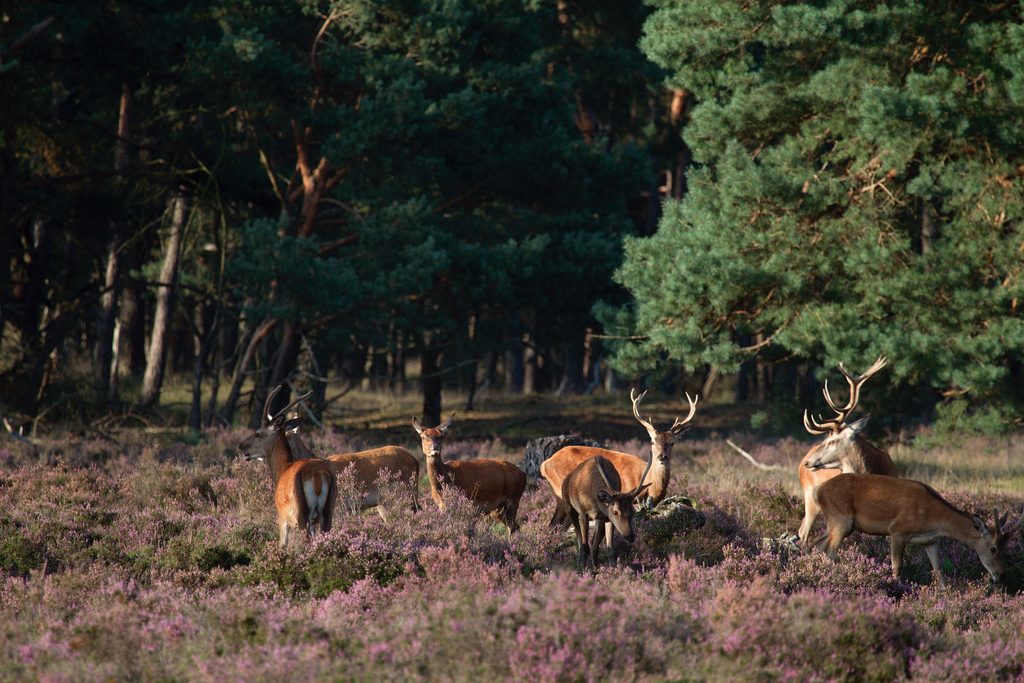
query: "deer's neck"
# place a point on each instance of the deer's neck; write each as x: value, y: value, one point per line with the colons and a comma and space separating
x: 868, y: 458
x: 436, y: 469
x: 279, y: 457
x: 661, y: 472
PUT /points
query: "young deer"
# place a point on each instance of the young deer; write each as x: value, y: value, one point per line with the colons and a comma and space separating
x: 631, y: 469
x: 305, y: 490
x: 592, y: 492
x: 494, y: 486
x: 907, y: 512
x: 842, y: 450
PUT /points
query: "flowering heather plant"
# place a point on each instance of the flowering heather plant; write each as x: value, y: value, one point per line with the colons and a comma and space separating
x: 155, y: 558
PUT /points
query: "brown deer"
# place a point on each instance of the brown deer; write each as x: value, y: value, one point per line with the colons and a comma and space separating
x: 907, y: 512
x: 842, y: 450
x: 368, y: 466
x: 592, y: 492
x: 494, y: 486
x: 631, y: 469
x: 305, y: 490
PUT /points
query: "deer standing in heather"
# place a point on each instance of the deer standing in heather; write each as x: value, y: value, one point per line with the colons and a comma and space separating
x: 908, y: 512
x: 494, y: 486
x: 842, y: 450
x: 631, y: 469
x: 305, y: 490
x: 368, y: 467
x: 592, y: 492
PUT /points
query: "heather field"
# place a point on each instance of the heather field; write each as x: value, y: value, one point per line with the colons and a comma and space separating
x: 153, y: 556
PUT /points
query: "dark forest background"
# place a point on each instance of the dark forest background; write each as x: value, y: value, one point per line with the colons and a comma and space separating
x: 510, y: 196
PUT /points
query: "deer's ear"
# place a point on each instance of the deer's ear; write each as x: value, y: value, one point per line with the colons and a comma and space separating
x: 855, y: 428
x: 979, y: 524
x: 292, y: 424
x: 417, y: 426
x: 604, y: 497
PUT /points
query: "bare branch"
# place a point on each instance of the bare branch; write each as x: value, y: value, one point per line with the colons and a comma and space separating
x: 755, y: 463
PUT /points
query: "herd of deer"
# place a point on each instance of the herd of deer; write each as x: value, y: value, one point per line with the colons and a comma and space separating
x: 851, y: 482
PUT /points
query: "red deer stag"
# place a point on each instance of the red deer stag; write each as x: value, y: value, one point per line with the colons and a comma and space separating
x: 630, y: 468
x: 494, y: 486
x: 304, y: 489
x: 592, y: 493
x: 843, y: 450
x: 907, y: 512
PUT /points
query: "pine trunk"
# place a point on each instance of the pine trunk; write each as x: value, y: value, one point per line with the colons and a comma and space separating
x: 153, y: 377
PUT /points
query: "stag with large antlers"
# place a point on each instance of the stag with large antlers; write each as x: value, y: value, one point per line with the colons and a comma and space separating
x: 305, y: 490
x: 631, y: 469
x: 592, y: 493
x: 908, y: 512
x: 842, y: 450
x: 494, y: 486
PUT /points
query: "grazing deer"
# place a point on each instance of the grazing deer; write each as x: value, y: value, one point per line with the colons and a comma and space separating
x: 843, y: 450
x: 631, y: 469
x: 907, y: 512
x: 305, y: 490
x: 494, y: 486
x: 592, y: 492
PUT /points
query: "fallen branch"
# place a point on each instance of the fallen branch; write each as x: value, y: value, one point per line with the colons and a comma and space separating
x: 755, y: 463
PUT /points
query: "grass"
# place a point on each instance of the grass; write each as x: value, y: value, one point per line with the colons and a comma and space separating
x: 151, y: 555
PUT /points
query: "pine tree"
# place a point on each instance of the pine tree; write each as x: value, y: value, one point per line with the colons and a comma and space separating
x: 857, y: 191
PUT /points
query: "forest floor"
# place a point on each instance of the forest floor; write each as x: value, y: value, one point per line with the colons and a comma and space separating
x: 150, y: 554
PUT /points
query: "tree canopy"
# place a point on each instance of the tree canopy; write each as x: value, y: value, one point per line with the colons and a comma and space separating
x: 856, y: 191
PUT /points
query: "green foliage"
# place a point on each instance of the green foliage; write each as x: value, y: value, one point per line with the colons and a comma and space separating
x: 19, y: 555
x: 222, y: 557
x: 857, y: 192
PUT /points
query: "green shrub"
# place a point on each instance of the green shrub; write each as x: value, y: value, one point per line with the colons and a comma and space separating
x: 19, y: 555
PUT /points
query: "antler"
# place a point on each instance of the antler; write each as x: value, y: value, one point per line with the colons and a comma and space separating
x: 643, y: 476
x: 268, y: 418
x: 819, y: 427
x: 855, y: 384
x: 677, y: 425
x: 600, y: 470
x: 636, y: 410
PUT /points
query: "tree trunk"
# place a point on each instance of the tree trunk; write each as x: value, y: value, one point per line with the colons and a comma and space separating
x: 284, y: 365
x: 529, y: 368
x: 104, y: 347
x: 105, y: 354
x: 430, y: 378
x: 513, y: 371
x: 153, y: 377
x: 227, y: 414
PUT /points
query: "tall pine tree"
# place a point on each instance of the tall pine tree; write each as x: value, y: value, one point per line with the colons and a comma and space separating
x: 857, y: 191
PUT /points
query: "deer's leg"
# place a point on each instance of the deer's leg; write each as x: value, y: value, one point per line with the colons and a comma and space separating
x: 837, y: 531
x: 612, y: 555
x: 581, y: 537
x: 509, y: 516
x: 595, y: 545
x: 932, y: 549
x: 897, y: 544
x: 282, y: 527
x: 811, y: 511
x: 560, y: 516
